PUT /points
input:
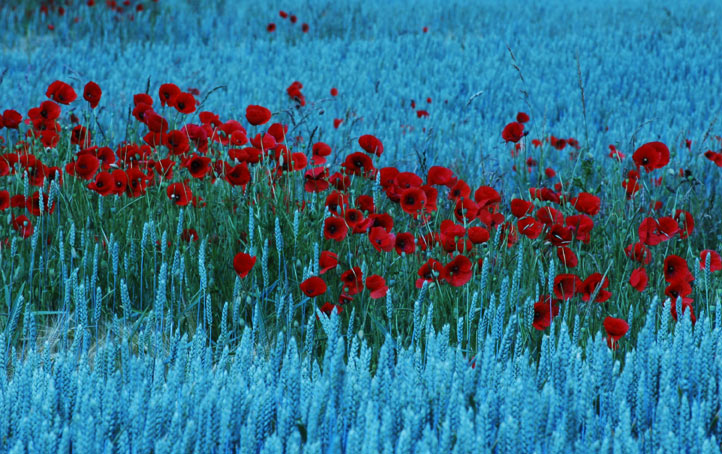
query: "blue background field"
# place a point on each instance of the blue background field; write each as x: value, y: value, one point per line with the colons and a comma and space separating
x: 648, y: 67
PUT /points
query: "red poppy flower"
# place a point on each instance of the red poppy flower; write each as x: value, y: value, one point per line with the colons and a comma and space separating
x: 257, y: 115
x: 184, y: 103
x: 615, y: 154
x: 155, y: 122
x: 377, y: 286
x: 80, y: 136
x: 120, y: 181
x: 189, y: 235
x: 179, y: 193
x: 294, y: 92
x: 413, y: 201
x: 549, y: 216
x: 371, y: 144
x: 61, y: 92
x: 4, y: 200
x: 668, y: 227
x: 544, y: 194
x: 358, y: 164
x: 679, y: 288
x: 676, y: 268
x: 92, y: 94
x: 715, y: 262
x: 316, y: 179
x: 429, y: 271
x: 450, y: 230
x: 238, y: 138
x: 405, y: 243
x: 459, y: 190
x: 478, y: 234
x: 714, y: 157
x: 615, y: 328
x: 313, y: 286
x: 336, y: 200
x: 458, y: 271
x: 631, y: 183
x: 84, y: 167
x: 651, y: 155
x: 520, y: 207
x: 32, y: 204
x: 353, y: 217
x: 522, y: 117
x: 352, y: 280
x: 339, y: 181
x: 486, y: 196
x: 139, y: 111
x: 566, y: 286
x: 177, y: 142
x: 639, y: 253
x: 319, y: 152
x: 17, y: 201
x: 334, y: 91
x: 166, y: 93
x: 440, y: 176
x: 283, y: 14
x: 591, y: 283
x: 12, y: 119
x: 687, y: 225
x: 198, y: 166
x: 337, y: 122
x: 305, y: 27
x: 23, y: 226
x: 243, y: 263
x: 328, y: 308
x: 586, y: 203
x: 560, y: 235
x: 142, y: 98
x: 686, y: 309
x: 529, y: 227
x: 381, y: 240
x: 544, y: 311
x: 638, y: 279
x: 649, y: 233
x: 238, y: 175
x: 327, y: 261
x: 513, y: 132
x: 365, y: 203
x: 335, y: 228
x: 567, y: 257
x: 48, y: 110
x: 103, y: 184
x: 557, y: 143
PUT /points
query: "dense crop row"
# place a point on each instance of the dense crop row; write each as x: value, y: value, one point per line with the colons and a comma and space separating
x: 665, y: 399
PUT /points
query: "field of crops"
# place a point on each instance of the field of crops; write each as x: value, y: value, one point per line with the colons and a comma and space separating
x: 367, y: 227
